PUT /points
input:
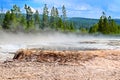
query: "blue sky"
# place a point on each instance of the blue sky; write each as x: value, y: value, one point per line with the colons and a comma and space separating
x: 75, y: 8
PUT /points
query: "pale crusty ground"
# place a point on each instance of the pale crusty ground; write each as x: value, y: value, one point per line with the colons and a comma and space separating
x: 105, y: 66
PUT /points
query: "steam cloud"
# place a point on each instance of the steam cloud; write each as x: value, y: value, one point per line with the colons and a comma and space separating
x: 55, y: 40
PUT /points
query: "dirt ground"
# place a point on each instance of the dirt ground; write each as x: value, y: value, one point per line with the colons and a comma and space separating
x: 91, y: 65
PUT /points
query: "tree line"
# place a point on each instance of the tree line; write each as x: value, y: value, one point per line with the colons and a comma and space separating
x: 15, y: 20
x: 106, y: 25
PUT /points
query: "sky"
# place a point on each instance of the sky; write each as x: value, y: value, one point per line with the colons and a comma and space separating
x: 75, y: 8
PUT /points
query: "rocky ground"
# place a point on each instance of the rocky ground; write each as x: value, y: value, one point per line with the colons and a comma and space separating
x: 62, y: 65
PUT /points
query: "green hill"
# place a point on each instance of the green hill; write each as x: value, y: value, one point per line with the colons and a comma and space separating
x: 87, y: 22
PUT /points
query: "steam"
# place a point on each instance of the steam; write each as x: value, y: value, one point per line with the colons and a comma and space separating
x: 10, y: 42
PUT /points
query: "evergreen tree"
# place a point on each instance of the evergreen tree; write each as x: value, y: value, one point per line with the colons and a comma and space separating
x: 23, y: 23
x: 106, y: 29
x: 12, y: 18
x: 45, y: 16
x: 37, y: 20
x: 56, y: 13
x: 13, y: 21
x: 52, y: 17
x: 16, y: 10
x: 29, y: 18
x: 64, y: 16
x: 6, y: 21
x: 71, y: 27
x: 56, y: 18
x: 114, y: 27
x: 60, y: 24
x: 94, y: 29
x: 105, y: 26
x: 64, y: 13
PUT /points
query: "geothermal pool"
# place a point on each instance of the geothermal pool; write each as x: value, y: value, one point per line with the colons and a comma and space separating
x: 10, y: 43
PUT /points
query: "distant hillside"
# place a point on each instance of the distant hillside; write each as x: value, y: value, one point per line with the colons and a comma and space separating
x: 83, y: 22
x: 87, y: 22
x: 117, y: 21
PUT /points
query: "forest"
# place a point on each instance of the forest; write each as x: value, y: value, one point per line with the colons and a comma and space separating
x: 14, y: 20
x: 105, y: 26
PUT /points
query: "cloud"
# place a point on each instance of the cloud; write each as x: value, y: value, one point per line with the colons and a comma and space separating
x: 77, y: 8
x: 113, y: 8
x: 74, y: 8
x: 69, y: 4
x: 33, y: 10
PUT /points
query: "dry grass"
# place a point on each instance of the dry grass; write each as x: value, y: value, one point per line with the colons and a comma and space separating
x: 63, y: 56
x: 36, y: 64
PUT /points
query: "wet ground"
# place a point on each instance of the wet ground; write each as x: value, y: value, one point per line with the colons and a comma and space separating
x: 10, y: 43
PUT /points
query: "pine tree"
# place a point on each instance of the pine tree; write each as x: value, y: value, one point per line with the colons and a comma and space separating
x: 60, y: 24
x: 52, y: 17
x: 56, y: 18
x: 114, y: 27
x: 105, y: 29
x: 6, y: 21
x: 45, y: 16
x: 64, y: 16
x: 105, y: 26
x: 94, y: 29
x: 64, y: 13
x: 29, y: 18
x: 13, y: 21
x: 16, y: 10
x: 23, y: 23
x: 56, y: 13
x: 71, y: 27
x: 37, y: 20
